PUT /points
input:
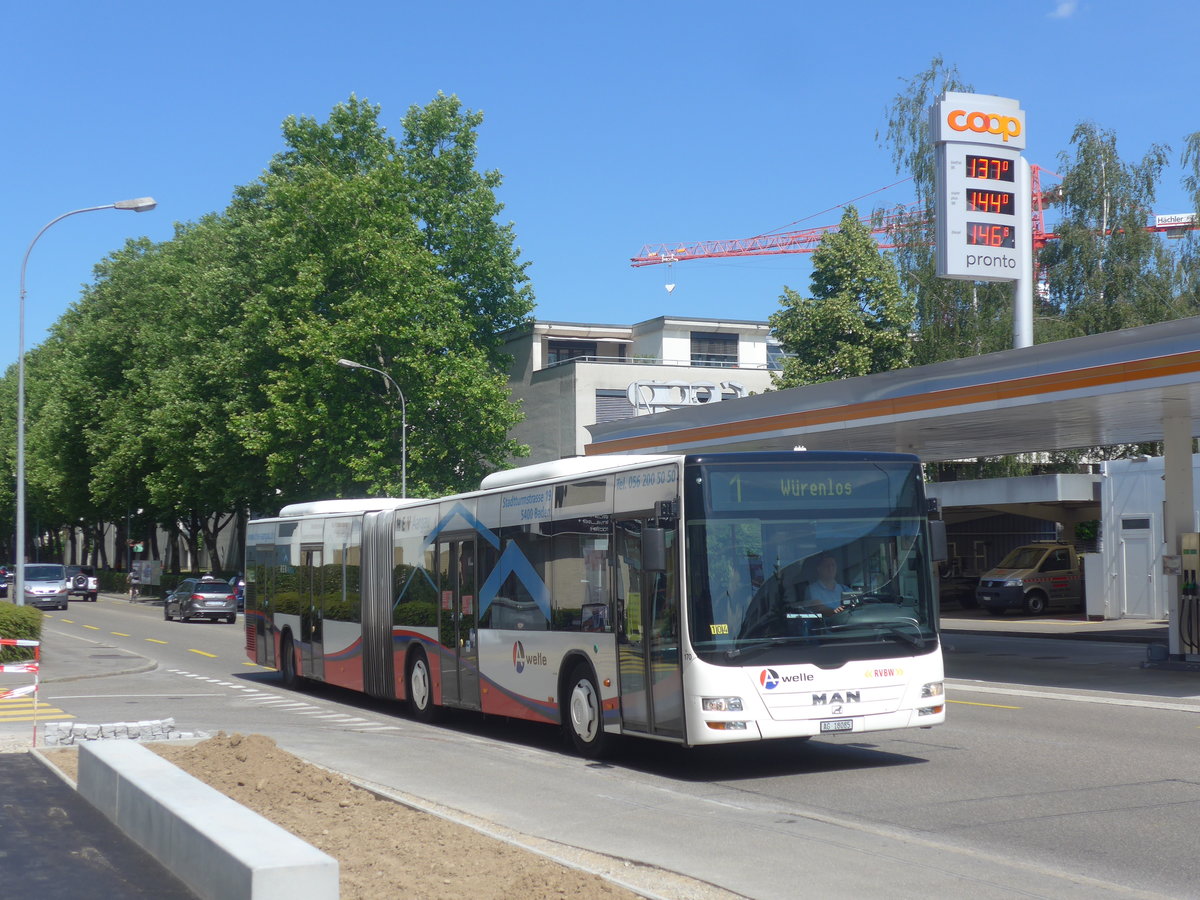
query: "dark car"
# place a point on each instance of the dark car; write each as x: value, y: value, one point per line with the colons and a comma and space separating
x: 83, y: 582
x: 201, y: 598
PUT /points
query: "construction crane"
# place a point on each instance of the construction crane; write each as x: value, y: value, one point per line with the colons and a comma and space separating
x: 807, y: 240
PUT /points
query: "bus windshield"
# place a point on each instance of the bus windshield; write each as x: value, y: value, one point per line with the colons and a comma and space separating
x: 820, y: 560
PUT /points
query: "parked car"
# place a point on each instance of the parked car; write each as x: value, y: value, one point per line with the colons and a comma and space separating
x: 83, y: 582
x: 201, y: 598
x: 1033, y: 577
x: 46, y: 585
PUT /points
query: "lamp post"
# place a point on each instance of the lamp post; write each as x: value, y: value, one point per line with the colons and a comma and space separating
x: 139, y: 204
x: 350, y: 364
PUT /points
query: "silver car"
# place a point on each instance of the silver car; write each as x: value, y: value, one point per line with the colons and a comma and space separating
x: 201, y: 598
x: 46, y: 585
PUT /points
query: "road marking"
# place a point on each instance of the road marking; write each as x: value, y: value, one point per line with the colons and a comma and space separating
x: 23, y: 710
x: 202, y: 653
x: 68, y: 621
x: 120, y: 634
x: 155, y: 641
x: 92, y: 627
x: 1085, y: 696
x: 253, y: 696
x: 991, y: 705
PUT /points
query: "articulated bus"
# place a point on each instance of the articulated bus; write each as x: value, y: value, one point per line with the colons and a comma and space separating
x: 673, y: 597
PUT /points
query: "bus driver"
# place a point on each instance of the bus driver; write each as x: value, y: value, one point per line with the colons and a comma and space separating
x: 825, y: 594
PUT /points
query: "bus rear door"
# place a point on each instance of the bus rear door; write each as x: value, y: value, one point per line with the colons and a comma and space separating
x: 312, y: 616
x: 456, y: 565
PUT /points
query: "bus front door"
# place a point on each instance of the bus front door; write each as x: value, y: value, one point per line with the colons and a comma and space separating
x: 312, y: 615
x: 460, y: 679
x: 648, y: 634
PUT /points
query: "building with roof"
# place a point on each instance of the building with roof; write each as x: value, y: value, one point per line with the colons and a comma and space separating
x: 569, y: 375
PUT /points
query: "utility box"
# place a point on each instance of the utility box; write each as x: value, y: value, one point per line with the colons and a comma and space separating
x: 1097, y: 592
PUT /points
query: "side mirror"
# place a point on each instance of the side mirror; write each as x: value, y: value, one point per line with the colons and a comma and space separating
x: 938, y: 549
x: 654, y: 549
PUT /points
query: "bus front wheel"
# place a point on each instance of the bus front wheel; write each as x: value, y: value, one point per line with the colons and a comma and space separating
x: 584, y: 719
x: 420, y: 688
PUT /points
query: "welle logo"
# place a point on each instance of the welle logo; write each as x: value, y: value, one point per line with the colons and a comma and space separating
x: 520, y: 660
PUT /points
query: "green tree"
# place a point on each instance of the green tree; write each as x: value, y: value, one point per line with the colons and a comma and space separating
x: 1106, y: 271
x: 1188, y: 270
x: 857, y: 320
x: 387, y: 254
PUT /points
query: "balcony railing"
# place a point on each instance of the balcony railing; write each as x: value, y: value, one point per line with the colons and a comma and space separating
x: 655, y: 361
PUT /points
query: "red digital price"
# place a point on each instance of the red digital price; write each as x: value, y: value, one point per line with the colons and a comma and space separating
x: 993, y: 168
x: 990, y: 201
x: 981, y: 234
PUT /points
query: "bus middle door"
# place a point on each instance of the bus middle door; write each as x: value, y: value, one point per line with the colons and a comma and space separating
x: 312, y: 616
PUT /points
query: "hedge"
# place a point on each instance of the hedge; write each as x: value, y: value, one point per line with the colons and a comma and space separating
x: 19, y: 623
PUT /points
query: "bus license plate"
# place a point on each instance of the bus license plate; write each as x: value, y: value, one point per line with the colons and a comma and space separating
x: 837, y: 725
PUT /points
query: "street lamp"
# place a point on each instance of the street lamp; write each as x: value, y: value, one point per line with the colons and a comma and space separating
x: 350, y: 364
x: 138, y: 204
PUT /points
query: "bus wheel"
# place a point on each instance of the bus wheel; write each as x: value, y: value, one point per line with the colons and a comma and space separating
x: 584, y: 721
x: 287, y: 664
x: 420, y: 688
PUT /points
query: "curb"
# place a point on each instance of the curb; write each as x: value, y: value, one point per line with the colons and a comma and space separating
x: 143, y: 664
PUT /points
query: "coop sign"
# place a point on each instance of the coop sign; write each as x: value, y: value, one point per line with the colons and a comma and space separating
x: 983, y: 190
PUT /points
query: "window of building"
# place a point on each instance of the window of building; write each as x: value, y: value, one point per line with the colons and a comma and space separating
x: 612, y: 405
x: 713, y: 349
x: 561, y: 351
x: 775, y: 356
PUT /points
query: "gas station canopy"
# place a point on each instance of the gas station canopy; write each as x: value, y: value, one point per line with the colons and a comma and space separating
x: 1111, y: 388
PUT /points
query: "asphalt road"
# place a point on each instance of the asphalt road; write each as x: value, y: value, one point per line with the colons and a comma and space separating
x: 1065, y: 770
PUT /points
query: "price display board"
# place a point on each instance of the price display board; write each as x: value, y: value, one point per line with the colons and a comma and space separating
x: 983, y: 217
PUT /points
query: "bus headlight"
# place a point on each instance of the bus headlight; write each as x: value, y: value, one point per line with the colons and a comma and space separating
x: 932, y: 689
x: 721, y: 704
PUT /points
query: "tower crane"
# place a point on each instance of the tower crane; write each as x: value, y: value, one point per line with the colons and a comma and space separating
x: 807, y: 240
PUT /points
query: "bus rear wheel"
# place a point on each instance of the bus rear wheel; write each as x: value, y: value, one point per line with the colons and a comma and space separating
x: 584, y: 719
x: 287, y: 664
x: 420, y: 688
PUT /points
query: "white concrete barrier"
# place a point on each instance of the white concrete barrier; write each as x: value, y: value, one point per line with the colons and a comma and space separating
x: 214, y: 845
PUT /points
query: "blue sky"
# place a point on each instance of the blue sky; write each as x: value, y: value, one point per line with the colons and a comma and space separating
x: 614, y: 125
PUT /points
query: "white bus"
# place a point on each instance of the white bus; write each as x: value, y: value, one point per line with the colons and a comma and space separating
x: 681, y: 598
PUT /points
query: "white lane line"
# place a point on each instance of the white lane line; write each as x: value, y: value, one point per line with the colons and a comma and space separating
x: 1148, y: 702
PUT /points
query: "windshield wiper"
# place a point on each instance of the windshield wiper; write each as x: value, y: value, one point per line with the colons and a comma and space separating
x: 766, y: 643
x: 893, y: 629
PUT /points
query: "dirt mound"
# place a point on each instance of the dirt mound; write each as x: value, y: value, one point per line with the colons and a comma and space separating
x: 382, y: 847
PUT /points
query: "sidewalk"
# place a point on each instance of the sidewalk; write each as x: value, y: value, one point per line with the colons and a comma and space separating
x: 1067, y: 625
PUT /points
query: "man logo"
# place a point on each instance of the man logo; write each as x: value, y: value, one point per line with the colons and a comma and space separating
x: 769, y: 679
x: 518, y: 657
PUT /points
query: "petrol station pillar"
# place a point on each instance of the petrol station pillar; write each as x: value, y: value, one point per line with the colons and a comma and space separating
x: 1179, y: 516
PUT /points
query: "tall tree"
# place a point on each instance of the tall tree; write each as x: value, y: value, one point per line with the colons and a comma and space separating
x: 1105, y: 271
x: 388, y: 254
x: 858, y: 319
x: 1188, y: 272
